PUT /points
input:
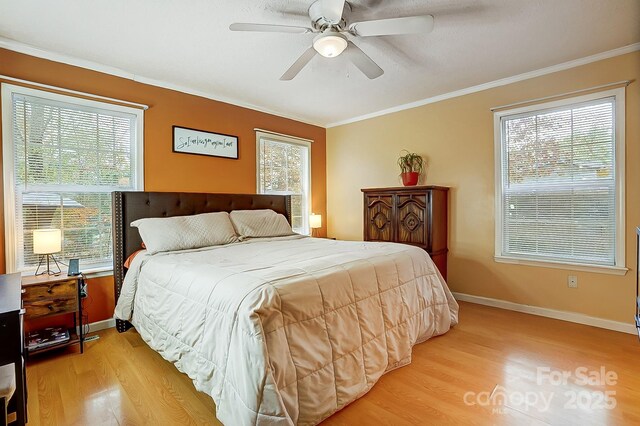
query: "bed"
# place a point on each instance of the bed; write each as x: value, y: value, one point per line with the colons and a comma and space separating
x: 280, y: 330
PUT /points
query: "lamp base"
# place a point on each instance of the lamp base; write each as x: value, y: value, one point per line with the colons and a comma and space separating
x: 48, y: 271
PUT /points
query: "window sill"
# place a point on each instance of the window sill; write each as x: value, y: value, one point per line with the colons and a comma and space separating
x: 104, y: 271
x: 98, y: 272
x: 600, y: 269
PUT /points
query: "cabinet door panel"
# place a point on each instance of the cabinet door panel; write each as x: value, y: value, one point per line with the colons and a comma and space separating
x: 412, y: 220
x: 379, y: 225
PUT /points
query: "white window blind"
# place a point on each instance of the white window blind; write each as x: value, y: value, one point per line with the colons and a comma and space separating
x: 559, y: 184
x: 68, y: 155
x: 284, y: 167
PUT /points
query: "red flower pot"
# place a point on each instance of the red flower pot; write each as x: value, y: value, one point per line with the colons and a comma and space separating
x: 410, y: 178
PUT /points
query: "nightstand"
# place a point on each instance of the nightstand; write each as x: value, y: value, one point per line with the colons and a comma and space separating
x: 51, y: 295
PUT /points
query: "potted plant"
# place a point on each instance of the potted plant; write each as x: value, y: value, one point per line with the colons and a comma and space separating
x: 411, y: 166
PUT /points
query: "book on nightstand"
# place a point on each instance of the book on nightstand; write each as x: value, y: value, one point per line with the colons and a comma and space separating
x: 47, y: 337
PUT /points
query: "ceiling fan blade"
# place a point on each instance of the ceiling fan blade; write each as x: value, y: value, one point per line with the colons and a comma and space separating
x: 393, y: 26
x: 363, y: 62
x: 297, y: 66
x: 332, y: 10
x: 267, y: 28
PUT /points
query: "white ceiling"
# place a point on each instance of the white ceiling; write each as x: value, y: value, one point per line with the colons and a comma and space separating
x: 188, y: 43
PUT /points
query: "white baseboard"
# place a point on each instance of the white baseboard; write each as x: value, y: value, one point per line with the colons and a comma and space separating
x: 549, y: 313
x: 101, y: 325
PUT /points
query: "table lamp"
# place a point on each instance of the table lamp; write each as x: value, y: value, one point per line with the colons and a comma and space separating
x: 46, y: 242
x: 315, y: 222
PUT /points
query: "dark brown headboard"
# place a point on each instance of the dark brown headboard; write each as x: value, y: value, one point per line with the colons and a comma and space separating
x: 130, y: 206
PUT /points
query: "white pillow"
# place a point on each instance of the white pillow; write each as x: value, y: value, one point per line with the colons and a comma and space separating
x: 260, y: 223
x: 185, y: 232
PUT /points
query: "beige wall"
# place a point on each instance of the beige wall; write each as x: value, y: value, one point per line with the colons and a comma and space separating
x: 456, y: 136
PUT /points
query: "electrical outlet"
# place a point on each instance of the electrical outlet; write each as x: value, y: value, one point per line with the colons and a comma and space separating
x: 572, y: 281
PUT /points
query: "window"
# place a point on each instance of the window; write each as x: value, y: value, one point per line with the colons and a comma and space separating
x: 62, y: 158
x: 559, y: 182
x: 284, y: 167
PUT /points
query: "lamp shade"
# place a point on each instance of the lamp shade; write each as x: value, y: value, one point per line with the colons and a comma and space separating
x: 47, y: 241
x: 315, y: 221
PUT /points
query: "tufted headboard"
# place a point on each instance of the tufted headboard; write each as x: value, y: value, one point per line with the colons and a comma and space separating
x: 130, y: 206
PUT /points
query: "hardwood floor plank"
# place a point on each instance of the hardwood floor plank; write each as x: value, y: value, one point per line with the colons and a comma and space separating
x: 119, y: 402
x: 352, y: 415
x: 200, y: 411
x: 477, y: 374
x: 128, y: 383
x: 33, y: 406
x: 49, y: 398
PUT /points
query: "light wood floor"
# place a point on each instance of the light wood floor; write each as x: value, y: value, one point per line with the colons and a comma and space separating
x: 119, y: 380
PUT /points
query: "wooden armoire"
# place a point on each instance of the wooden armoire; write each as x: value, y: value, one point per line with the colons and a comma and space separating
x: 414, y: 215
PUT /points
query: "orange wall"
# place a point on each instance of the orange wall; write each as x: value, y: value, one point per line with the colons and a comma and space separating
x: 163, y: 169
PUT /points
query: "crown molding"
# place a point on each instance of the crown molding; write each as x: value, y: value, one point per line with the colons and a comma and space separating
x: 27, y: 49
x: 497, y: 83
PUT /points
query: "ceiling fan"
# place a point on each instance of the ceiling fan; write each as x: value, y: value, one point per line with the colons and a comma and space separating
x: 330, y: 20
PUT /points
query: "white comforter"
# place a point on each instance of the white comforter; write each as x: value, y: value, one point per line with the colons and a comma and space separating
x: 287, y: 330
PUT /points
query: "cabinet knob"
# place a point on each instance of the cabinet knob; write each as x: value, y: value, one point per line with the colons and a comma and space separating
x: 50, y: 290
x: 50, y: 307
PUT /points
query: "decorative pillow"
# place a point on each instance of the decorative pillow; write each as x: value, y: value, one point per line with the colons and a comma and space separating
x: 260, y: 223
x: 185, y: 232
x: 127, y: 263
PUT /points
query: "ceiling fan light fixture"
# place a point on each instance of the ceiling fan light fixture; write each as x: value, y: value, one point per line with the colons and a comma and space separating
x: 330, y: 45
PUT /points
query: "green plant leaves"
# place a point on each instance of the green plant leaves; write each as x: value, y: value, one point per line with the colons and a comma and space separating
x: 410, y: 162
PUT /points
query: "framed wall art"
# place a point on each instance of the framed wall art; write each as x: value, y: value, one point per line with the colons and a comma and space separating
x: 200, y: 142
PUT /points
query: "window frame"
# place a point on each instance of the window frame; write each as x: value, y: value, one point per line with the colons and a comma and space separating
x: 292, y: 140
x: 8, y: 150
x: 619, y: 158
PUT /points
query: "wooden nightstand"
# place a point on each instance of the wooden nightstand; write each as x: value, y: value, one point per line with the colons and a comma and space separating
x: 47, y: 296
